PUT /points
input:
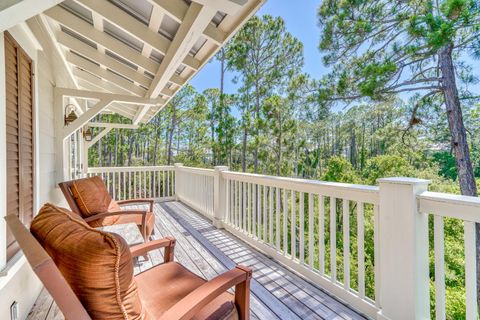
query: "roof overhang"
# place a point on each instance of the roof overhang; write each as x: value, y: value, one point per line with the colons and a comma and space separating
x: 143, y: 48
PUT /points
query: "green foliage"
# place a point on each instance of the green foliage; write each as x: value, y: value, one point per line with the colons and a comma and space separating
x: 387, y: 166
x: 340, y: 170
x: 446, y: 161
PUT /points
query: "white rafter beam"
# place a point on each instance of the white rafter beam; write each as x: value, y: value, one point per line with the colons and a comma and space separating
x: 231, y: 7
x: 84, y: 29
x: 141, y: 112
x: 177, y: 11
x: 104, y: 60
x: 126, y: 110
x: 85, y: 94
x: 112, y: 125
x: 104, y: 74
x: 97, y: 138
x: 135, y: 28
x: 196, y: 20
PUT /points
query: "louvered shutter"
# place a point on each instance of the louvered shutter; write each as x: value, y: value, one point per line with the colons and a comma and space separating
x: 20, y: 146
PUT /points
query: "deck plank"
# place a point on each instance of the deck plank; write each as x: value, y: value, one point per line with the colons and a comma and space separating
x: 270, y: 273
x: 277, y: 293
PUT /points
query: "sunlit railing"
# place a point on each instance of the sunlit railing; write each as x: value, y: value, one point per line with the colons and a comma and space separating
x: 138, y: 182
x: 195, y: 188
x: 299, y: 222
x: 466, y: 209
x: 366, y: 245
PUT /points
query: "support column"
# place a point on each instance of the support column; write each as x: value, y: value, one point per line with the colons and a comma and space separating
x: 219, y: 197
x: 403, y: 242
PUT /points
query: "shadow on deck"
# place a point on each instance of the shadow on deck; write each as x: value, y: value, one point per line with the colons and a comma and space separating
x: 277, y: 293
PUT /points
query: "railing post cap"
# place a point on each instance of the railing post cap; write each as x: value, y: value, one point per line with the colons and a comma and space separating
x: 220, y: 168
x: 403, y: 180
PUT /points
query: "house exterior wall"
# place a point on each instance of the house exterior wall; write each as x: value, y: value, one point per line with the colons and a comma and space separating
x: 17, y: 281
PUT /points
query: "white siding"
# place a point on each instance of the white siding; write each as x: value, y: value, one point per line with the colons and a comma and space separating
x: 20, y: 284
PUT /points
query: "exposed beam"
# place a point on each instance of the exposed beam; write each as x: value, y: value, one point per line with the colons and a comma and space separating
x: 139, y: 115
x: 196, y: 20
x: 215, y: 35
x: 112, y: 125
x: 107, y: 61
x: 22, y: 11
x: 104, y: 74
x: 107, y: 128
x: 177, y: 11
x: 231, y: 7
x: 98, y: 82
x: 102, y: 39
x: 126, y: 110
x: 85, y: 117
x: 99, y: 136
x: 107, y: 96
x: 135, y: 28
x: 154, y: 24
x: 83, y: 28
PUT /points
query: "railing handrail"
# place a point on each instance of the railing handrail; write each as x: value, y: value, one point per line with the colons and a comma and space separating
x: 450, y: 205
x: 202, y: 171
x: 126, y: 169
x: 354, y: 192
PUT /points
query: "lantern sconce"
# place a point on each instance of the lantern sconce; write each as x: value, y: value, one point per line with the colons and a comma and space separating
x: 87, y: 134
x: 70, y: 116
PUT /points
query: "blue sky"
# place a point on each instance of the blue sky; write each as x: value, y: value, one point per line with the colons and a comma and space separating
x: 301, y: 21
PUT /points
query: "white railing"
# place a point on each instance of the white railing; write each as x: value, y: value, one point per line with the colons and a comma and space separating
x: 381, y: 263
x: 194, y: 186
x: 138, y: 182
x: 297, y: 222
x: 466, y: 209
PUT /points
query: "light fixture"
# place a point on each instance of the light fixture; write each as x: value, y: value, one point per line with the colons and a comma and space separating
x: 72, y: 116
x: 87, y: 134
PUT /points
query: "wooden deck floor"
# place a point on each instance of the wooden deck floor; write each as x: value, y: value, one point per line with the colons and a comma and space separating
x: 277, y: 293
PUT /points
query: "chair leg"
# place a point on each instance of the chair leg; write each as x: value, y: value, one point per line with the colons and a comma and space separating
x: 242, y: 296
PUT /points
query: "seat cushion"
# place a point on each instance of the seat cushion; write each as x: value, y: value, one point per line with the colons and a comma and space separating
x: 92, y: 197
x: 176, y: 282
x: 127, y: 218
x: 97, y: 265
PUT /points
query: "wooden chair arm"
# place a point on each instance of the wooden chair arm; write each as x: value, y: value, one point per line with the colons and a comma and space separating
x: 168, y: 243
x: 131, y: 201
x: 121, y: 212
x: 239, y: 277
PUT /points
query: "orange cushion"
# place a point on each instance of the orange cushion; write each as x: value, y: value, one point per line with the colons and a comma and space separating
x: 176, y: 282
x: 92, y: 196
x: 97, y: 265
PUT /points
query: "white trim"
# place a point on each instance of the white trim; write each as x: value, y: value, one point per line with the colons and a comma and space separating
x: 22, y: 11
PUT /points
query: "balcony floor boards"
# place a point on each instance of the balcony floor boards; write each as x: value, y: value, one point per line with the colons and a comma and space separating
x: 277, y: 293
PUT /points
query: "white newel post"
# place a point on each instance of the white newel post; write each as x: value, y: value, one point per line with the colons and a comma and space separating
x: 177, y: 179
x: 403, y: 243
x: 219, y: 197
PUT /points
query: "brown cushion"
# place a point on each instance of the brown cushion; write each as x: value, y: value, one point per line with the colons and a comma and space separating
x: 175, y: 282
x: 97, y: 265
x: 92, y: 196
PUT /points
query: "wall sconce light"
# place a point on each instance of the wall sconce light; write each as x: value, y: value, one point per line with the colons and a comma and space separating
x: 70, y: 116
x: 87, y: 134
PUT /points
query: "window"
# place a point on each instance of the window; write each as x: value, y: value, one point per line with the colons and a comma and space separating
x: 20, y: 140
